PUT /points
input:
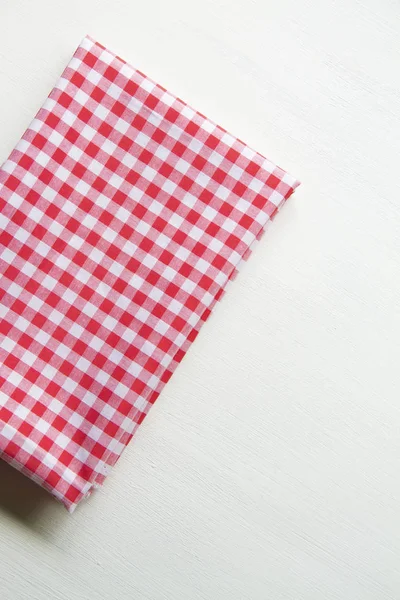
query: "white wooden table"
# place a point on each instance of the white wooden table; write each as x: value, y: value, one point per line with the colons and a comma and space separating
x: 269, y: 468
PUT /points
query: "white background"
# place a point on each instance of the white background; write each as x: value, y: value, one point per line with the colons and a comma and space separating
x: 269, y: 468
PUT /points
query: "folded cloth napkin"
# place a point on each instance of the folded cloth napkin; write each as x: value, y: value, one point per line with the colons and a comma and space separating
x: 124, y: 213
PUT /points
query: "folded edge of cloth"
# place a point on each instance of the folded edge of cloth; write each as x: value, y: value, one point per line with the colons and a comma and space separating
x: 124, y: 213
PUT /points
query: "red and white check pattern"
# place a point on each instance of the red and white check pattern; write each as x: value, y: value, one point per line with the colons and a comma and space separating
x: 124, y: 213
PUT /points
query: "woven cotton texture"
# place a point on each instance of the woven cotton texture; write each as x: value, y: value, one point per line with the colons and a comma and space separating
x: 124, y: 213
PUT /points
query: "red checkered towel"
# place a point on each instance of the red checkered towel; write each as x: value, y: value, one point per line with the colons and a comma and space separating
x: 124, y: 213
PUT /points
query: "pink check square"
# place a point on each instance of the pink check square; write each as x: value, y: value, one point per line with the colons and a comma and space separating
x: 124, y: 214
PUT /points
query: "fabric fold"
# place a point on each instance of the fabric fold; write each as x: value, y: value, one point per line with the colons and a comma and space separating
x: 124, y: 214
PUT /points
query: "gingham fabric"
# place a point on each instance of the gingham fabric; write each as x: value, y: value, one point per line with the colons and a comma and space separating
x: 124, y: 213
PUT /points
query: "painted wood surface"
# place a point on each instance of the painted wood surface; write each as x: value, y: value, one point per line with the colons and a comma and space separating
x: 269, y: 468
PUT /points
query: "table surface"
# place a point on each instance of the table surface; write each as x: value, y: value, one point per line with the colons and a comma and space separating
x: 269, y: 467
